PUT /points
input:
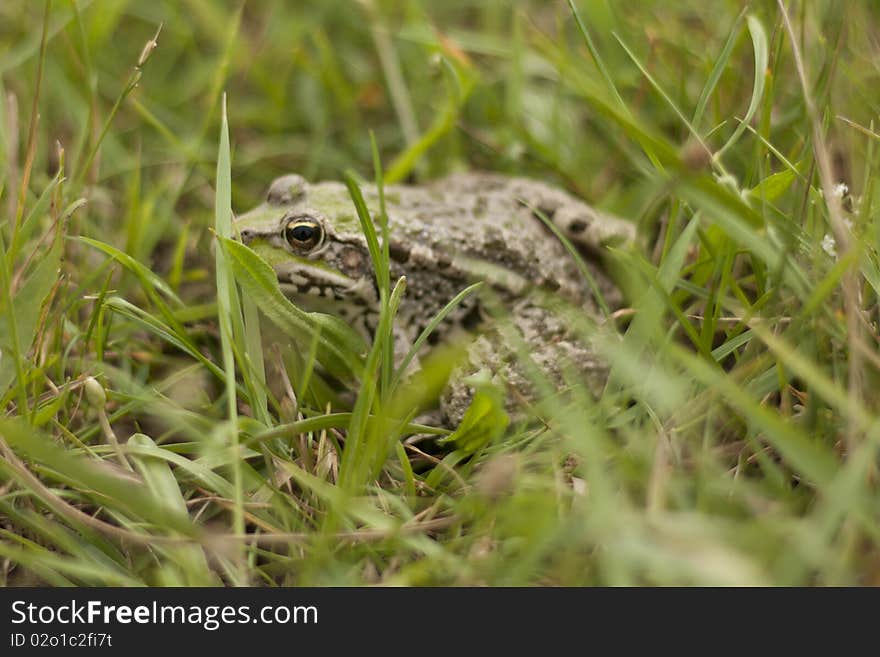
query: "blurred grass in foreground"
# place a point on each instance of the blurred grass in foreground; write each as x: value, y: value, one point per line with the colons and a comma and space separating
x: 736, y: 442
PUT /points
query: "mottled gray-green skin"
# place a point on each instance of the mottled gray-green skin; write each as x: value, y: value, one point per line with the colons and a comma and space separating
x: 444, y: 236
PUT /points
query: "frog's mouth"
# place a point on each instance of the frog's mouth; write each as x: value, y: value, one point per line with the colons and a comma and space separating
x: 317, y: 286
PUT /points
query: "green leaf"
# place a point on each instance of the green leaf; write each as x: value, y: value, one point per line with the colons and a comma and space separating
x: 26, y: 308
x: 95, y: 479
x: 460, y: 82
x: 808, y: 457
x: 37, y: 212
x: 773, y: 186
x: 759, y: 43
x: 147, y: 278
x: 717, y: 70
x: 56, y: 569
x: 167, y: 333
x: 380, y: 264
x: 163, y: 486
x: 366, y: 450
x: 430, y: 327
x: 340, y: 348
x: 230, y: 320
x: 484, y: 421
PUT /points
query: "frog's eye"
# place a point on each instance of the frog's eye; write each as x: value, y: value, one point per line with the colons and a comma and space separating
x: 304, y: 234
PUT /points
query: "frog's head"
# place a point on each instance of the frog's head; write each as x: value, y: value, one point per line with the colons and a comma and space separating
x: 311, y: 237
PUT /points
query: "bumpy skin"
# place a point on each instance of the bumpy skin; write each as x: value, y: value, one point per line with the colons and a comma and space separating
x: 444, y: 236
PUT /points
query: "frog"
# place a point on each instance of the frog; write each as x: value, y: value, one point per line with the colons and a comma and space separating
x: 443, y: 236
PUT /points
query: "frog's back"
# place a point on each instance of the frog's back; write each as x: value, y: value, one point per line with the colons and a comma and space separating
x: 492, y: 221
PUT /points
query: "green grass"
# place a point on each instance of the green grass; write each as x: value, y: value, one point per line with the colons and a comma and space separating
x: 166, y: 420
